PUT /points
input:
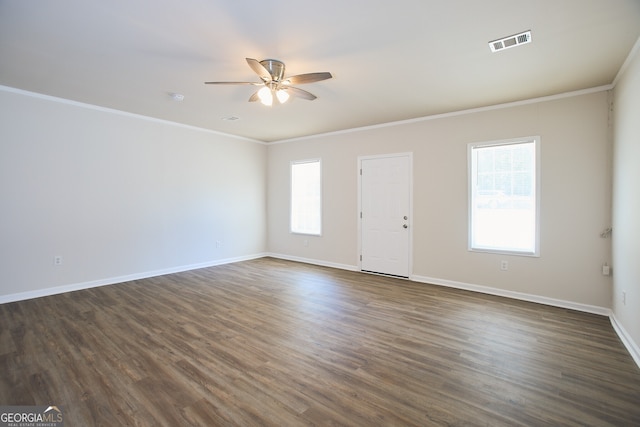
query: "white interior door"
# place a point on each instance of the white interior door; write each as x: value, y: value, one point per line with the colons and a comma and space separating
x: 385, y: 191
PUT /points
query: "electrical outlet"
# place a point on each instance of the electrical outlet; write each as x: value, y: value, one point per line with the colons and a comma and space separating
x: 218, y: 244
x: 504, y: 265
x: 305, y: 242
x: 57, y: 260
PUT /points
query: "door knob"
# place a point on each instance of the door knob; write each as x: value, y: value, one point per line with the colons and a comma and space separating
x: 405, y: 226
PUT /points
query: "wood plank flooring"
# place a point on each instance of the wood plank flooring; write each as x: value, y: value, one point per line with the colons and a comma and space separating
x: 273, y: 342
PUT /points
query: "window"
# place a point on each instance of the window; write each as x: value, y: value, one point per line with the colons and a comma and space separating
x: 503, y: 196
x: 306, y: 197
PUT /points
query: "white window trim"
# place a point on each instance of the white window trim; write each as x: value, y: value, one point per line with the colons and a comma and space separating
x: 470, y: 147
x: 298, y: 162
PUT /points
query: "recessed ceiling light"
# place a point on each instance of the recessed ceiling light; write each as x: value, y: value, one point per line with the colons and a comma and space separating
x: 510, y: 41
x: 176, y: 96
x: 230, y: 118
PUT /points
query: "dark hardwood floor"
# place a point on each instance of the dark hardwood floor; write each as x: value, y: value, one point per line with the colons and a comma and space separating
x: 272, y: 342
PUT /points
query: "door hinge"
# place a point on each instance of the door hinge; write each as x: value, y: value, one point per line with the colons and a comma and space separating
x: 360, y: 171
x: 360, y: 257
x: 360, y: 214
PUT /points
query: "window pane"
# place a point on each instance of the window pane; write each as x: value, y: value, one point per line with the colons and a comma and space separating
x: 503, y: 203
x: 305, y: 197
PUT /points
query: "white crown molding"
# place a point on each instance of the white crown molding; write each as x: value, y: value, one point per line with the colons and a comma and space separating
x: 340, y: 132
x: 122, y: 113
x: 453, y: 114
x: 632, y: 53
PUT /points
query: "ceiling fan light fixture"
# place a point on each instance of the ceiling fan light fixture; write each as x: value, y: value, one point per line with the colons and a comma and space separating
x: 282, y: 96
x: 265, y: 95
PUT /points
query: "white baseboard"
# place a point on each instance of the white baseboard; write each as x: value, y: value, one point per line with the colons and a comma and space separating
x: 314, y: 262
x: 626, y: 339
x: 119, y: 279
x: 603, y: 311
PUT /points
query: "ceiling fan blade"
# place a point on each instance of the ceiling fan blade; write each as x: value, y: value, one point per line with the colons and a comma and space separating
x: 301, y: 93
x: 259, y: 69
x: 234, y: 83
x: 307, y: 78
x: 254, y: 97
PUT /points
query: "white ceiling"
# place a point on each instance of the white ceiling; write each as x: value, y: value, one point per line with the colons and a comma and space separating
x: 391, y: 60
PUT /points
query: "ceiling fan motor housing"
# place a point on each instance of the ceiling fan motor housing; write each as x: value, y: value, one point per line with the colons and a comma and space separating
x: 275, y: 68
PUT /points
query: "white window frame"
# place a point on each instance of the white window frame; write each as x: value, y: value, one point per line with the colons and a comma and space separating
x: 292, y: 164
x: 535, y: 252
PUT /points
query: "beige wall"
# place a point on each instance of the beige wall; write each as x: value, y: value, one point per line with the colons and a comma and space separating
x: 118, y: 195
x: 575, y: 191
x: 626, y: 201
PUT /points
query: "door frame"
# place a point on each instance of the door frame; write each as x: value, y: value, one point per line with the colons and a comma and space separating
x: 409, y: 155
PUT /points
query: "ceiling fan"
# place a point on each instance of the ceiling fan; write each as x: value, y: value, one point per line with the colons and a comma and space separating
x: 276, y: 88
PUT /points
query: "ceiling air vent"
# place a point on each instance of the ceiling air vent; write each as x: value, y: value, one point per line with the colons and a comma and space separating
x: 511, y: 41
